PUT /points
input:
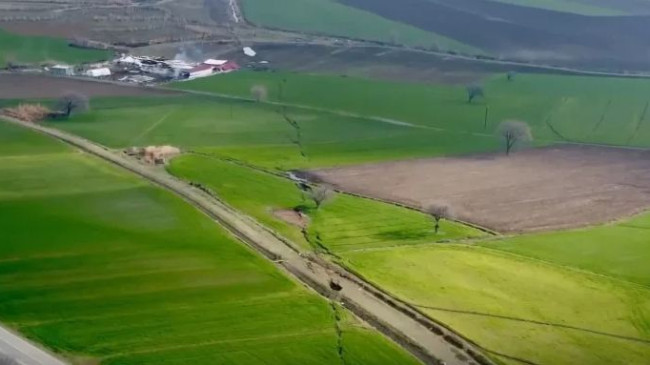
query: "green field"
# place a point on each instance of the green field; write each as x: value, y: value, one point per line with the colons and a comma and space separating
x: 492, y: 297
x: 328, y: 17
x: 569, y: 297
x: 558, y: 108
x: 101, y: 266
x: 582, y: 7
x: 31, y: 49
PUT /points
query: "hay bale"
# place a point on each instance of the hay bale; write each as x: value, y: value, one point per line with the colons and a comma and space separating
x: 32, y: 113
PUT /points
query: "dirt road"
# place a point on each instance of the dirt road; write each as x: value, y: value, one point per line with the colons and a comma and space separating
x: 410, y: 329
x: 23, y: 352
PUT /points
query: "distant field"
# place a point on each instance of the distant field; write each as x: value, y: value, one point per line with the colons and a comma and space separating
x: 587, y: 7
x: 344, y: 224
x: 105, y: 268
x: 259, y: 134
x: 559, y: 108
x: 333, y: 18
x: 595, y: 8
x: 35, y: 49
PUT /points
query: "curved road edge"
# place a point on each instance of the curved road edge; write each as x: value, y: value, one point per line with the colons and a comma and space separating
x: 408, y: 330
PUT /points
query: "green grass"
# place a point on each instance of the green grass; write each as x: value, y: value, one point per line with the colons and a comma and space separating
x: 466, y: 287
x: 571, y: 6
x: 345, y: 223
x: 32, y: 49
x: 259, y: 134
x: 621, y: 250
x: 328, y: 17
x: 96, y: 263
x: 558, y: 108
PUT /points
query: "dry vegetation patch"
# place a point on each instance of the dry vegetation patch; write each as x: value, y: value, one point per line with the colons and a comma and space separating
x: 538, y: 189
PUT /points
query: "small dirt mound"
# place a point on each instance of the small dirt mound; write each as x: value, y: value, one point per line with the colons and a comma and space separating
x: 292, y: 217
x: 154, y: 155
x: 32, y: 113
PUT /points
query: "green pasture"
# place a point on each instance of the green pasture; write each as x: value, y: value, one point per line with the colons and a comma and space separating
x: 620, y: 250
x: 33, y: 49
x: 329, y: 17
x: 516, y: 306
x: 259, y: 134
x: 344, y: 223
x: 559, y: 108
x: 103, y: 267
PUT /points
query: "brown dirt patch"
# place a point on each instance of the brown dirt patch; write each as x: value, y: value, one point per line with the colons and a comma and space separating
x: 539, y: 189
x: 24, y: 86
x: 292, y: 217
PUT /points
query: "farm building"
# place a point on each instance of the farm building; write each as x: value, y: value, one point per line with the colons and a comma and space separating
x: 199, y: 71
x: 62, y: 70
x: 98, y: 72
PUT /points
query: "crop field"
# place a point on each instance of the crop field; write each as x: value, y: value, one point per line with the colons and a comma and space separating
x: 331, y: 17
x: 37, y: 49
x: 538, y: 189
x: 498, y: 299
x: 104, y: 268
x: 558, y: 108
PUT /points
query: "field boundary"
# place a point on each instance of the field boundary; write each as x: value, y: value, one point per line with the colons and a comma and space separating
x: 421, y: 341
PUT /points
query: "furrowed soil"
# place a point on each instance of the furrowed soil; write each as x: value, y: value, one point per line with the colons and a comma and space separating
x: 18, y: 86
x: 539, y: 189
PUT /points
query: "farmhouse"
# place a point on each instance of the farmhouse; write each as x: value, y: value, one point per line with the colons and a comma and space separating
x: 98, y: 72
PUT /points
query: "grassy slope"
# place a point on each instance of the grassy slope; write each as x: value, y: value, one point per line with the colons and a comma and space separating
x: 332, y: 18
x: 621, y: 250
x: 585, y: 109
x: 32, y: 49
x: 569, y: 6
x: 345, y: 223
x: 449, y: 280
x: 97, y: 263
x: 259, y: 134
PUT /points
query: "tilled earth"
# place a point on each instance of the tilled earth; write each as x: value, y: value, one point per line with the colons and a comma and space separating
x: 538, y: 189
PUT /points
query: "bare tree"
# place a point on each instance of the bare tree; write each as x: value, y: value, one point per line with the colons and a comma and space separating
x: 72, y: 103
x: 514, y: 132
x: 320, y: 195
x: 474, y: 91
x: 260, y: 93
x: 439, y: 212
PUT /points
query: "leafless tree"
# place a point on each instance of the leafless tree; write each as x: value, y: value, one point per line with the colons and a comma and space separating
x: 72, y: 103
x: 439, y: 212
x: 260, y: 93
x: 473, y: 92
x: 514, y: 132
x: 320, y: 195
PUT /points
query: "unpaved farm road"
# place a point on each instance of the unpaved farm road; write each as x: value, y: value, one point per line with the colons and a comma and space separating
x: 408, y: 328
x: 23, y: 352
